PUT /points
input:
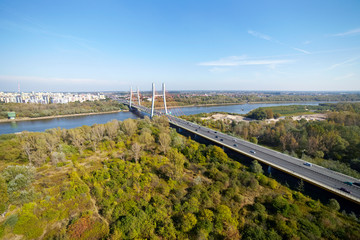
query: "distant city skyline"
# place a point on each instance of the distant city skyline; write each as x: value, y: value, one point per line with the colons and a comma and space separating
x: 87, y: 46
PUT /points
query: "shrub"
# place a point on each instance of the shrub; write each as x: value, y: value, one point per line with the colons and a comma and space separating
x: 28, y: 223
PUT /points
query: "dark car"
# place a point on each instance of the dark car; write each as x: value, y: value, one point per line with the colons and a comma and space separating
x: 357, y: 184
x: 215, y: 132
x: 216, y: 136
x: 235, y: 145
x: 345, y: 190
x: 221, y: 139
x: 252, y: 151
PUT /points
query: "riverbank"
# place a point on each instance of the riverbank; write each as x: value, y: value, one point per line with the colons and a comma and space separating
x: 58, y: 116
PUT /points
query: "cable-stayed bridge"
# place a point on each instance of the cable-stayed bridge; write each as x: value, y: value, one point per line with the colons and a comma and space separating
x: 324, y: 178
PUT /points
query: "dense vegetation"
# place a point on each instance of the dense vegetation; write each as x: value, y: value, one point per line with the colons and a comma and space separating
x: 197, y: 99
x: 33, y: 110
x: 291, y: 110
x: 137, y: 179
x: 334, y: 143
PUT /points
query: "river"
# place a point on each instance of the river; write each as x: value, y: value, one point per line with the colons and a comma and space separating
x: 72, y: 122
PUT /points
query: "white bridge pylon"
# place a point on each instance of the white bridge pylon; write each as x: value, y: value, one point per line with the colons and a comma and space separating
x: 154, y: 96
x: 131, y: 96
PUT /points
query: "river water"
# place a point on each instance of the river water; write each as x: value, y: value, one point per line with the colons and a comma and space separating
x: 72, y: 122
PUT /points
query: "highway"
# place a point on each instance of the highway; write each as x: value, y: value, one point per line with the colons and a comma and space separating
x: 322, y: 177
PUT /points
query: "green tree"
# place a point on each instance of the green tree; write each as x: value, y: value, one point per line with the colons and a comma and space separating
x: 188, y: 222
x: 164, y: 140
x: 147, y: 140
x: 136, y: 150
x: 224, y: 219
x: 334, y: 205
x: 3, y: 195
x: 256, y: 167
x: 130, y: 126
x: 254, y: 140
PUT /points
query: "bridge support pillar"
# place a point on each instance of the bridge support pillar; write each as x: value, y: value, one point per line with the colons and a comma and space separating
x: 131, y: 94
x: 138, y: 96
x: 152, y: 100
x: 163, y: 88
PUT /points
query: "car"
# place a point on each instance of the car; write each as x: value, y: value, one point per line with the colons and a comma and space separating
x: 252, y: 151
x: 208, y: 131
x: 235, y: 140
x: 215, y: 132
x: 357, y: 184
x: 216, y: 136
x: 221, y: 139
x: 349, y: 183
x: 308, y: 164
x: 235, y: 145
x: 345, y: 190
x: 195, y: 129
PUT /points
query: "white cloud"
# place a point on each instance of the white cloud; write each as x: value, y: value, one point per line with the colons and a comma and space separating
x: 228, y: 61
x: 218, y: 69
x: 260, y: 35
x: 342, y: 63
x: 348, y: 33
x: 241, y: 61
x: 350, y: 75
x: 268, y: 38
x: 302, y: 50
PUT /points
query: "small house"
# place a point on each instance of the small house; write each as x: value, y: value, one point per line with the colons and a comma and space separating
x: 11, y: 115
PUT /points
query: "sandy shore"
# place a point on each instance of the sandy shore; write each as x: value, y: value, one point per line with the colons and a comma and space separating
x: 220, y: 116
x: 237, y: 118
x: 57, y: 116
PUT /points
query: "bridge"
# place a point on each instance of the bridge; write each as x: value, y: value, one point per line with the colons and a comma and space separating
x: 324, y: 178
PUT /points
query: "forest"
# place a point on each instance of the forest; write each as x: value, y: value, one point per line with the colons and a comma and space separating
x: 34, y: 110
x: 296, y: 110
x: 333, y: 143
x: 236, y: 98
x: 140, y: 179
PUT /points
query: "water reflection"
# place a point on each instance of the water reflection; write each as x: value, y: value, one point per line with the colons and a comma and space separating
x: 13, y: 125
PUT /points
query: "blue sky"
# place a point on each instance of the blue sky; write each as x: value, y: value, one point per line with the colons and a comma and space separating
x: 84, y: 45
